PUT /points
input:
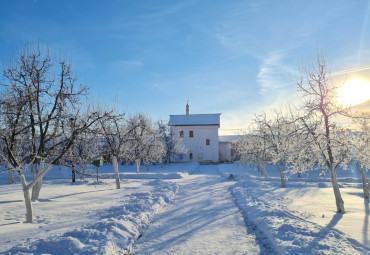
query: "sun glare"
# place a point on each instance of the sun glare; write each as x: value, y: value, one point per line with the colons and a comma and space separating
x: 354, y: 92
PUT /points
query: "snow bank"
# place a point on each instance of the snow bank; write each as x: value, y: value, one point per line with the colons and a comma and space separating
x: 114, y: 233
x: 276, y: 218
x: 166, y: 171
x: 240, y: 171
x: 163, y: 176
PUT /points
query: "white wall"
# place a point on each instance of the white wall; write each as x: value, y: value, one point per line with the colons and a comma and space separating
x: 225, y: 151
x: 197, y: 144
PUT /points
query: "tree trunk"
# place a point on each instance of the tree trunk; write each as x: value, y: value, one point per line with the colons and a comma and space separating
x: 37, y: 186
x: 338, y: 197
x: 262, y: 169
x: 259, y: 168
x: 147, y: 167
x: 116, y: 173
x: 10, y: 177
x: 365, y: 185
x: 27, y: 198
x: 73, y: 173
x: 137, y: 162
x: 38, y: 179
x: 282, y: 176
x: 97, y: 174
x: 299, y: 175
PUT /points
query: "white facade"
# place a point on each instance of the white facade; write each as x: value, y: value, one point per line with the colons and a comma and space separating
x: 202, y: 146
x: 199, y: 134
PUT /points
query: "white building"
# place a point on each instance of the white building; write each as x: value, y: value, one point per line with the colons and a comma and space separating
x: 199, y: 133
x: 226, y: 152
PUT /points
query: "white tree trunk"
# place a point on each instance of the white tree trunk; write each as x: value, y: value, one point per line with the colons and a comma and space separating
x: 27, y: 198
x: 262, y: 169
x: 137, y: 162
x: 37, y: 186
x: 116, y: 173
x: 338, y: 197
x: 37, y: 180
x: 365, y: 185
x: 282, y: 176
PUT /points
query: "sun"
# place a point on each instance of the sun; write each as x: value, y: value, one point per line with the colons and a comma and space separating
x: 354, y: 92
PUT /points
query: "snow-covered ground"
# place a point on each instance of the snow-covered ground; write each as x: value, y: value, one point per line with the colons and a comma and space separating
x: 202, y: 220
x: 186, y: 209
x: 302, y: 218
x: 85, y: 217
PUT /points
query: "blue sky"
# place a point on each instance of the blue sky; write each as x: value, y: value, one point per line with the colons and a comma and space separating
x: 231, y: 57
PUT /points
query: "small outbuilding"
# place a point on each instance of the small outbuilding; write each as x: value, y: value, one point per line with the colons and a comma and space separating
x: 225, y: 149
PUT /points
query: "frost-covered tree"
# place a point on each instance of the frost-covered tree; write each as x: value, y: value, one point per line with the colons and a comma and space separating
x: 360, y: 151
x: 154, y: 150
x: 86, y: 148
x: 251, y: 150
x: 318, y: 91
x: 173, y: 144
x: 37, y: 101
x: 277, y: 133
x: 278, y: 139
x: 143, y: 144
x: 117, y: 134
x: 302, y: 156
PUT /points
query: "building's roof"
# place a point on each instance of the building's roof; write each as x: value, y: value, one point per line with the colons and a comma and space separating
x: 195, y: 120
x: 229, y: 138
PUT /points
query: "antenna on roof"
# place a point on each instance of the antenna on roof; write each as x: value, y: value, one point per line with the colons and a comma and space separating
x: 187, y: 108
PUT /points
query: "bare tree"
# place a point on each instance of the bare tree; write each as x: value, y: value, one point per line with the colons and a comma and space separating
x: 37, y: 101
x: 86, y: 148
x: 116, y: 135
x: 144, y: 144
x: 321, y: 111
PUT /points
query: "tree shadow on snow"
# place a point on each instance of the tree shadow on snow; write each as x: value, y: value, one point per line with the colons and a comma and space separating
x: 358, y: 194
x: 324, y: 232
x: 329, y: 232
x: 76, y: 193
x: 11, y: 201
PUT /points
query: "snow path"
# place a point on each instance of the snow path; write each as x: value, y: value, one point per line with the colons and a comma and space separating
x: 203, y: 219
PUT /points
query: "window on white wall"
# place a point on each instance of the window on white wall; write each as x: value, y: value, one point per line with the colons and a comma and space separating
x: 191, y: 134
x: 191, y: 155
x: 208, y: 142
x: 181, y: 133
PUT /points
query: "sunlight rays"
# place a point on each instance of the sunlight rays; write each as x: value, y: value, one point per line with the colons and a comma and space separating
x: 354, y: 92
